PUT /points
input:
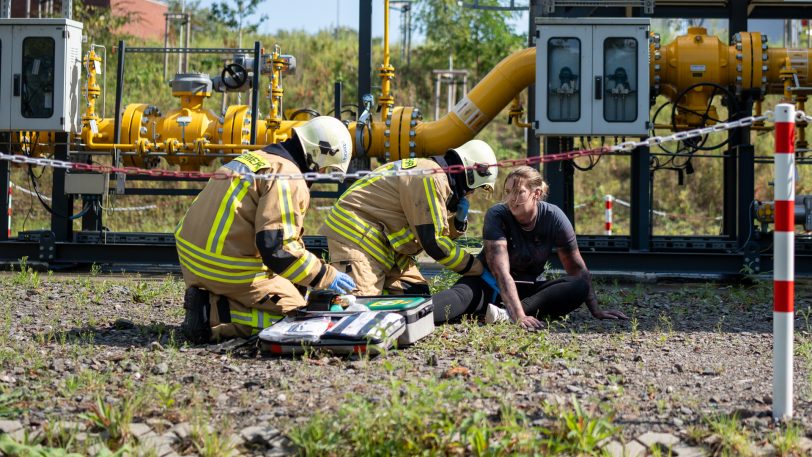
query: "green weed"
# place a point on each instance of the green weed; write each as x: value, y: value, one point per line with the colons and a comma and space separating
x: 731, y: 438
x: 443, y: 281
x: 787, y: 441
x: 635, y: 323
x: 165, y: 393
x: 114, y: 419
x: 26, y: 277
x: 415, y: 418
x: 12, y: 448
x: 210, y: 442
x: 8, y: 400
x: 577, y: 431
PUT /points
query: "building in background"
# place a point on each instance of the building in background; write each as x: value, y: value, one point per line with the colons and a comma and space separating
x: 148, y: 15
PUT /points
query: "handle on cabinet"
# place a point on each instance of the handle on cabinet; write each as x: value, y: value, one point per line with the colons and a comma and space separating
x: 598, y: 87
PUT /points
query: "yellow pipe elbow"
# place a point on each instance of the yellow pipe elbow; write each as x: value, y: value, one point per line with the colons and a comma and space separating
x: 471, y: 114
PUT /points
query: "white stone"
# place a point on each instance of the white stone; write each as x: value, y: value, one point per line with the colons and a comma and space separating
x: 805, y: 444
x: 139, y: 429
x: 634, y: 449
x: 614, y: 449
x: 182, y: 430
x: 631, y: 449
x: 9, y: 426
x: 688, y: 451
x: 652, y: 438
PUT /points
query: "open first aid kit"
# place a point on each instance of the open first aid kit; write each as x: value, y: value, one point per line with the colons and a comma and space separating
x: 361, y: 332
x: 416, y: 310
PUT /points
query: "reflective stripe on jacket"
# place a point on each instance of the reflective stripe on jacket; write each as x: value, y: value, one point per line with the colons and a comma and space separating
x: 384, y: 216
x: 216, y: 239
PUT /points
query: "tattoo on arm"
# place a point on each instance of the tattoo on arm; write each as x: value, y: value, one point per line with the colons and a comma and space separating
x: 498, y: 259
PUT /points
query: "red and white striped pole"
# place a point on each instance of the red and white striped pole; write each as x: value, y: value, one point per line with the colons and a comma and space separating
x: 607, y: 200
x: 9, y: 208
x: 783, y: 260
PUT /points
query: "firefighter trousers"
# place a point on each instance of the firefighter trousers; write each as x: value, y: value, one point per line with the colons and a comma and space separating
x: 250, y: 307
x: 372, y: 278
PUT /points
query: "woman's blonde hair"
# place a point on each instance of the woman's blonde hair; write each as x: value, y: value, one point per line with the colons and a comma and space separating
x: 531, y: 178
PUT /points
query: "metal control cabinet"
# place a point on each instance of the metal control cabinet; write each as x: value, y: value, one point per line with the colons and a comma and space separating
x: 41, y: 62
x: 592, y: 76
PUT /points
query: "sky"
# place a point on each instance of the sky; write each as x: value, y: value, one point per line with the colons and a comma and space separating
x: 314, y: 15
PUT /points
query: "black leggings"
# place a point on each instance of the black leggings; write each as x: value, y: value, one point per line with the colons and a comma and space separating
x: 547, y: 299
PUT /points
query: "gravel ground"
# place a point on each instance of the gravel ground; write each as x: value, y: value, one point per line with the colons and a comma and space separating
x: 690, y: 353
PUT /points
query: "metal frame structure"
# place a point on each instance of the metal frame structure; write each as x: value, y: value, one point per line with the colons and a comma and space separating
x: 740, y: 248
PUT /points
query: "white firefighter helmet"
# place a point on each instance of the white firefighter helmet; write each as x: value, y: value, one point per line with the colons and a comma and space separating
x: 326, y: 143
x: 476, y: 155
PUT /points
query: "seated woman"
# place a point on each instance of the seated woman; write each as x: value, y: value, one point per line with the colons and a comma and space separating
x: 519, y: 236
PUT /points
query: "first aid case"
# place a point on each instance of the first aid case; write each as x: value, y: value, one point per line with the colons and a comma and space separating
x: 369, y: 332
x: 417, y: 311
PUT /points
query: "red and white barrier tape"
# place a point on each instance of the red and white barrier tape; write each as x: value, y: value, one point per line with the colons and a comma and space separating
x: 626, y: 146
x: 47, y: 198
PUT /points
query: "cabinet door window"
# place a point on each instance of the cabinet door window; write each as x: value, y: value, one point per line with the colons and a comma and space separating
x: 37, y: 94
x: 620, y: 74
x: 563, y: 79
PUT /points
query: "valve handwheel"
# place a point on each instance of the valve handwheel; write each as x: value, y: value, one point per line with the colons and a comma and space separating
x: 237, y: 75
x: 705, y: 114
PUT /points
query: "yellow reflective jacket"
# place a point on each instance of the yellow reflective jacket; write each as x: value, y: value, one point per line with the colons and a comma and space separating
x: 239, y: 229
x: 390, y: 215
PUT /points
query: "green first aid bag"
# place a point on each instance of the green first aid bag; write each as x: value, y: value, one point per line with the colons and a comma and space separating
x: 418, y: 310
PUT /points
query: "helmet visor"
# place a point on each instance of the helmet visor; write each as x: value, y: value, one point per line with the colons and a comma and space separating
x: 481, y: 170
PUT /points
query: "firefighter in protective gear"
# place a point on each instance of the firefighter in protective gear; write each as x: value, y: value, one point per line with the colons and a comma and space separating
x: 381, y: 222
x: 239, y: 244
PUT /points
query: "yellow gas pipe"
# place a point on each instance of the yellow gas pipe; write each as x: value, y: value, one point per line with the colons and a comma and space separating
x: 386, y: 71
x: 91, y: 62
x: 274, y: 122
x: 467, y: 118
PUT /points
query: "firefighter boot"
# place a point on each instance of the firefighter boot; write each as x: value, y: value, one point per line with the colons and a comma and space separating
x: 196, y: 326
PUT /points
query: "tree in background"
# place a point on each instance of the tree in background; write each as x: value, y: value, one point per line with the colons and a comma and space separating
x: 477, y: 39
x: 234, y: 14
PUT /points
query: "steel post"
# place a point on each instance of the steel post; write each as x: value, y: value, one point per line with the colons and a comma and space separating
x: 640, y: 229
x: 5, y: 179
x: 61, y: 203
x: 255, y: 92
x: 364, y: 50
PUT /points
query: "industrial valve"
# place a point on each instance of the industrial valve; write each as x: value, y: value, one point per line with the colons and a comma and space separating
x: 765, y: 212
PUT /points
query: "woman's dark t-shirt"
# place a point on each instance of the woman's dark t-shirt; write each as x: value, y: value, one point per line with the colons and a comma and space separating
x: 529, y: 250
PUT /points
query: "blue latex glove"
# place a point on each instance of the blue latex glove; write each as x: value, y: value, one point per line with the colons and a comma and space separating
x: 462, y: 209
x: 343, y: 283
x: 490, y: 280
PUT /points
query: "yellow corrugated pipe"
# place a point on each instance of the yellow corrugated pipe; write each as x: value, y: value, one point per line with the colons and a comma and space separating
x: 510, y: 76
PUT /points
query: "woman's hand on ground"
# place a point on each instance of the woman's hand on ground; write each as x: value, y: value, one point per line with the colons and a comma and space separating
x: 610, y: 314
x: 529, y: 323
